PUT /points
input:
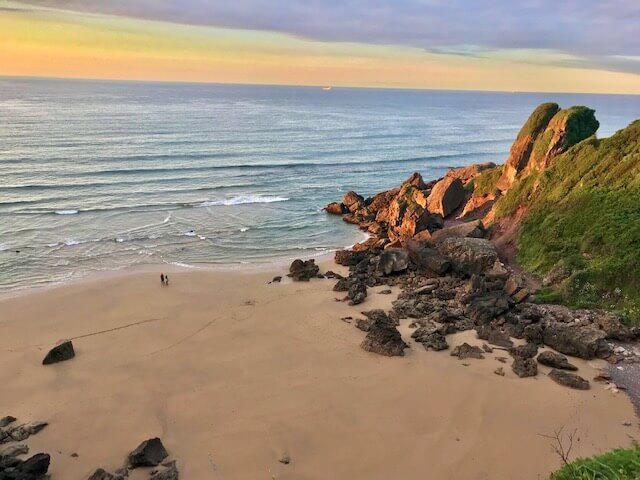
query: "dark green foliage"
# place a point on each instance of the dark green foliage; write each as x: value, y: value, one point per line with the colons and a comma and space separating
x: 621, y: 464
x: 539, y: 119
x: 585, y: 210
x: 581, y: 124
x: 548, y: 295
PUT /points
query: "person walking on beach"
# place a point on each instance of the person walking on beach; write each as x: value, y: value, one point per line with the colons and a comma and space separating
x: 166, y: 280
x: 162, y: 278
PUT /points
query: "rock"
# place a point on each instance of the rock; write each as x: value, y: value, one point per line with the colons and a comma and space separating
x: 555, y: 360
x: 521, y: 295
x: 303, y: 271
x: 14, y: 450
x: 22, y: 432
x: 570, y: 380
x: 499, y: 371
x: 349, y: 258
x: 474, y: 229
x: 352, y: 201
x: 285, y: 459
x: 482, y: 309
x: 60, y: 353
x: 511, y: 286
x: 524, y: 367
x: 415, y: 180
x: 336, y: 208
x: 558, y: 273
x: 277, y: 279
x: 431, y: 336
x: 528, y: 350
x: 467, y: 351
x: 494, y: 336
x: 585, y: 342
x: 427, y: 259
x: 478, y: 207
x: 35, y: 467
x: 487, y: 348
x: 447, y: 195
x: 101, y: 474
x: 4, y: 421
x: 357, y: 293
x: 148, y: 454
x: 612, y: 325
x: 469, y: 255
x: 169, y: 473
x: 393, y: 260
x: 384, y: 339
x: 385, y: 292
x: 466, y: 174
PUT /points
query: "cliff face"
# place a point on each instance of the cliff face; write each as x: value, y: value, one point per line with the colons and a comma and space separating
x: 548, y: 132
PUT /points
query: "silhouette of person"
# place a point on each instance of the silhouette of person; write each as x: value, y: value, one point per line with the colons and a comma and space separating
x: 166, y: 280
x: 162, y: 278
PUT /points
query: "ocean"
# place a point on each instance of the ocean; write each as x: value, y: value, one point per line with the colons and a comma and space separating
x: 98, y: 175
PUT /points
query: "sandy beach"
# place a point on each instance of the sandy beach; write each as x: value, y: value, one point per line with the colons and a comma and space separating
x: 232, y: 373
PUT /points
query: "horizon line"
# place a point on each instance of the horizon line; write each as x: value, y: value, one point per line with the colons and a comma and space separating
x: 287, y: 85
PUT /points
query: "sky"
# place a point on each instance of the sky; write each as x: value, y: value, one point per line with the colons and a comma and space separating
x: 514, y: 45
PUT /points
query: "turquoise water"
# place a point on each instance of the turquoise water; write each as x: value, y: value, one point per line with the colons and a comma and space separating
x: 104, y: 175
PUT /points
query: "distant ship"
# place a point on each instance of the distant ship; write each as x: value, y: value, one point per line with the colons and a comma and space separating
x: 327, y: 88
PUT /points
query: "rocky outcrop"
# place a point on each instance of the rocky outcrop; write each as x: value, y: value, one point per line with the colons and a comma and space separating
x: 393, y: 260
x: 586, y: 342
x: 466, y: 174
x: 547, y: 133
x: 473, y: 229
x: 33, y: 468
x: 60, y: 353
x: 21, y: 432
x: 467, y: 351
x: 447, y: 195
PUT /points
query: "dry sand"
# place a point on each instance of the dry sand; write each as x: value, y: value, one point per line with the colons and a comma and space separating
x: 232, y: 373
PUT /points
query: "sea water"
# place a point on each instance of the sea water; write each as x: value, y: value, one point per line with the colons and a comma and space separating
x: 101, y: 175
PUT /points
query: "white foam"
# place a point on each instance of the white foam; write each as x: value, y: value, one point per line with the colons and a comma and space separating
x: 242, y: 200
x: 190, y: 233
x: 244, y: 229
x: 66, y: 212
x: 184, y: 265
x: 202, y: 237
x: 167, y: 219
x: 119, y: 240
x: 2, y: 247
x: 71, y: 243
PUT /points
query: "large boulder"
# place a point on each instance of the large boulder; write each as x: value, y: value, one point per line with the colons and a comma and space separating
x: 431, y: 336
x: 148, y: 454
x: 467, y: 351
x: 469, y: 255
x: 570, y: 380
x: 384, y: 338
x: 415, y: 180
x: 60, y: 353
x: 352, y: 201
x: 427, y: 259
x: 466, y: 174
x: 393, y: 260
x: 583, y: 341
x: 170, y: 472
x: 474, y: 229
x: 524, y: 367
x: 447, y: 195
x: 336, y: 208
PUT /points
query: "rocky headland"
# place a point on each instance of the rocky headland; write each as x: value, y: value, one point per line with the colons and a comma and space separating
x: 454, y: 247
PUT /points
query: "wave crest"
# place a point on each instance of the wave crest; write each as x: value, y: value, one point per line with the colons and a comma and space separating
x: 243, y: 200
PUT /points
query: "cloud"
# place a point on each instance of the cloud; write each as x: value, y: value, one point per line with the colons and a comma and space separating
x: 592, y: 32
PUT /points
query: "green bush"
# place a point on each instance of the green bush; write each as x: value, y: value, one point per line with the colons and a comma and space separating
x: 485, y: 182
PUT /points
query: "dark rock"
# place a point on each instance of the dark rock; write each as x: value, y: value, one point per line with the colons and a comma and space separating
x: 357, y: 293
x: 467, y: 351
x: 393, y: 260
x: 555, y: 360
x: 524, y: 367
x: 385, y: 292
x: 528, y: 350
x: 101, y: 474
x: 303, y: 271
x: 612, y: 325
x: 21, y: 432
x: 60, y: 353
x: 447, y: 195
x: 499, y: 371
x: 4, y: 421
x: 332, y: 274
x: 494, y: 336
x: 483, y: 309
x: 428, y: 259
x: 348, y: 258
x: 384, y: 339
x: 14, y: 450
x: 35, y: 467
x: 276, y: 279
x: 570, y: 380
x: 148, y: 454
x: 585, y: 342
x: 285, y: 460
x: 169, y: 473
x: 431, y: 336
x: 469, y: 255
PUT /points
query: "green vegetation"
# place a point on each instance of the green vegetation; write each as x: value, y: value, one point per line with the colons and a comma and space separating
x: 581, y: 123
x: 548, y: 295
x: 539, y: 119
x: 485, y: 182
x: 621, y: 464
x: 584, y: 211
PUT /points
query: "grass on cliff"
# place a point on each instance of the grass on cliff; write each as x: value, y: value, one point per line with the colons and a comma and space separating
x: 485, y: 182
x: 621, y: 464
x: 584, y: 211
